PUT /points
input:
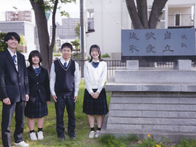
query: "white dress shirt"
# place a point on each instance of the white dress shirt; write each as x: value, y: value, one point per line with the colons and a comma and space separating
x: 16, y: 64
x: 53, y: 77
x: 95, y: 77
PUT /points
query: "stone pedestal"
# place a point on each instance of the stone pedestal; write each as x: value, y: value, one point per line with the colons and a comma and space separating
x: 160, y: 102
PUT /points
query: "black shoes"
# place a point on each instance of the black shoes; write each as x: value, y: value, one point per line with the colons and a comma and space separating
x: 62, y: 138
x: 73, y: 137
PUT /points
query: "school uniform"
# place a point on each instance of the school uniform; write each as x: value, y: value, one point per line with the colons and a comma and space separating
x: 95, y: 76
x: 64, y: 83
x: 39, y: 92
x: 13, y: 85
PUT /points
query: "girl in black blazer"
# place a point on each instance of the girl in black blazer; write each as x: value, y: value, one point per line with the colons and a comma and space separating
x: 39, y: 95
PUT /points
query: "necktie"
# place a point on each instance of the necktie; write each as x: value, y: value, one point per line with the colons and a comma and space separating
x: 37, y: 70
x: 14, y: 58
x: 65, y: 64
x: 95, y: 64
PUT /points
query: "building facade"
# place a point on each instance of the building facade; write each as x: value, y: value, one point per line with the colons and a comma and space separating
x: 18, y: 16
x: 66, y: 31
x: 24, y: 28
x: 108, y: 17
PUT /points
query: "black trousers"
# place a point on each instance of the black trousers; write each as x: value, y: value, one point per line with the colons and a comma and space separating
x: 7, y: 113
x: 63, y: 101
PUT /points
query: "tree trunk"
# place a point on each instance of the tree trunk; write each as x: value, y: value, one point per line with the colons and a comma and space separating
x: 43, y: 36
x: 157, y: 7
x: 142, y: 12
x: 134, y: 15
x: 53, y: 33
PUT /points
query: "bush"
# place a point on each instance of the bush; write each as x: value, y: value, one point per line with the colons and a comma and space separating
x: 187, y: 143
x: 57, y: 54
x: 106, y: 55
x: 111, y: 141
x: 150, y: 142
x: 3, y: 45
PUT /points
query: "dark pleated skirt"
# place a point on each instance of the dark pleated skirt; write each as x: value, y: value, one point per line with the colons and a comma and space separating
x: 93, y: 106
x: 36, y: 109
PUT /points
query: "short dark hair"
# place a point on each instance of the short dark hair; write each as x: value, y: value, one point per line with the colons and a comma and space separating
x: 98, y: 49
x: 66, y: 45
x: 33, y: 54
x: 10, y: 35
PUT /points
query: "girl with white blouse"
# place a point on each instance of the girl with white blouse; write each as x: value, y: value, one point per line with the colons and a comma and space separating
x: 95, y: 73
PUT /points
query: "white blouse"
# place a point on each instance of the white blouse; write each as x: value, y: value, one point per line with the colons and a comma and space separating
x: 95, y: 77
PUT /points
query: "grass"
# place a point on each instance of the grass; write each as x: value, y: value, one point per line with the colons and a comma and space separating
x: 50, y: 135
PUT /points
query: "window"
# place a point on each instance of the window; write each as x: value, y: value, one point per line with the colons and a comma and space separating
x: 177, y: 19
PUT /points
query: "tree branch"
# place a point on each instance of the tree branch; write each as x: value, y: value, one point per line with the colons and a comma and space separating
x: 142, y: 12
x: 42, y: 29
x: 53, y: 32
x: 134, y: 15
x: 157, y: 7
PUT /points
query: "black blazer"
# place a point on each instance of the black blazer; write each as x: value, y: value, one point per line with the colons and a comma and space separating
x: 13, y: 83
x: 38, y: 85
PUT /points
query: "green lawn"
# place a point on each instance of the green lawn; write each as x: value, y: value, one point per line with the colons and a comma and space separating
x: 50, y: 136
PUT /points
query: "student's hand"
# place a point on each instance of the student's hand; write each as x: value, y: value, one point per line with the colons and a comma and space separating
x: 96, y: 95
x: 55, y: 98
x: 7, y: 101
x: 27, y: 97
x: 48, y: 102
x: 93, y: 94
x: 75, y: 98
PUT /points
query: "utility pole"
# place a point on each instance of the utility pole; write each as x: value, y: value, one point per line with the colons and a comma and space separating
x: 82, y: 36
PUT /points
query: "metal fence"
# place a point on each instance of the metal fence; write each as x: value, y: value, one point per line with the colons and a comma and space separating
x: 113, y: 65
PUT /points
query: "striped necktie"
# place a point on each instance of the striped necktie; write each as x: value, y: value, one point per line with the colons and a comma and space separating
x: 14, y: 58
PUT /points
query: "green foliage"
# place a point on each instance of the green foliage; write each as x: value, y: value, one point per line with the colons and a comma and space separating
x: 77, y: 55
x: 111, y: 141
x: 106, y: 55
x: 57, y: 54
x: 54, y: 49
x: 64, y: 13
x: 132, y: 138
x: 76, y: 44
x: 77, y: 30
x: 150, y: 142
x: 22, y: 40
x: 49, y: 5
x: 3, y: 45
x: 187, y: 143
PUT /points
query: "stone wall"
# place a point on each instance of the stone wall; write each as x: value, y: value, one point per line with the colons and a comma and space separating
x: 161, y: 102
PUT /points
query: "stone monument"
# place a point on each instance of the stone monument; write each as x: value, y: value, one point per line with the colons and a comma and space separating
x: 149, y: 100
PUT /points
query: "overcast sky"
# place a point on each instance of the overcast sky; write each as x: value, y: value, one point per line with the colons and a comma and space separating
x: 7, y: 5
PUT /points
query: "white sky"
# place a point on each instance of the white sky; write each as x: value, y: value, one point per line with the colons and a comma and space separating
x: 7, y: 5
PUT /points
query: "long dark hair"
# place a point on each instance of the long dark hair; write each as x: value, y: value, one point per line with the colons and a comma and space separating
x: 33, y: 54
x: 97, y: 48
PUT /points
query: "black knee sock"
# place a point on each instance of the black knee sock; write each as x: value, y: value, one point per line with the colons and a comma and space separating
x: 39, y: 129
x: 99, y: 129
x: 31, y: 131
x: 92, y: 129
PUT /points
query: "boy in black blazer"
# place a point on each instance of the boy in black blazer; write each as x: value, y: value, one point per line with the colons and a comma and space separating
x: 14, y: 90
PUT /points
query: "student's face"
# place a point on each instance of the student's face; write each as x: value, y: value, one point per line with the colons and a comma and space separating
x: 12, y: 43
x: 66, y: 53
x: 95, y: 54
x: 35, y: 60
